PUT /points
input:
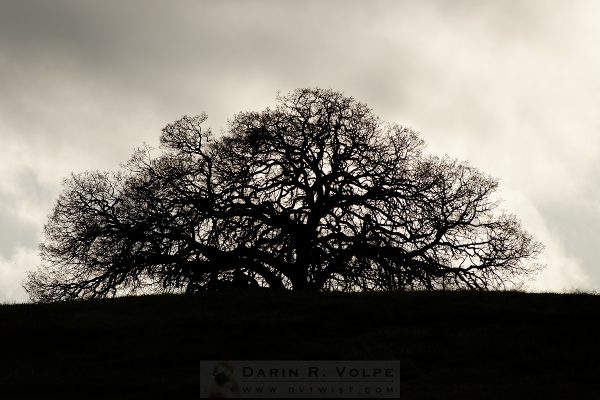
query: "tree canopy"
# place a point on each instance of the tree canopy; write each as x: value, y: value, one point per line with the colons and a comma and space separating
x: 316, y: 193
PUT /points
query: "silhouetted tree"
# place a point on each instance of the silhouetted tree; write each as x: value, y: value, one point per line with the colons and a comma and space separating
x: 316, y: 193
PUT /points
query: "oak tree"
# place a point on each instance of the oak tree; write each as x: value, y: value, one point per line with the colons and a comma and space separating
x: 315, y: 193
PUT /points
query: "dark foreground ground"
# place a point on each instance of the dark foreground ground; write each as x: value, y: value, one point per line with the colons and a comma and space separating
x: 451, y: 345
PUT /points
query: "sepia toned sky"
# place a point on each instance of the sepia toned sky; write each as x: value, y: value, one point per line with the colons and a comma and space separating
x: 512, y: 87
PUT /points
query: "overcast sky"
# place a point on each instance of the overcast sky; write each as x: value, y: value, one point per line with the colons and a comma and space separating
x: 512, y: 87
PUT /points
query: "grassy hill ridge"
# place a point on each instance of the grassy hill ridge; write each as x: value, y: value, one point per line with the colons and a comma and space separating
x: 450, y: 344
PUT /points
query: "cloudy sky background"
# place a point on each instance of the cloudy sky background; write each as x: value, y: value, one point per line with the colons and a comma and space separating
x: 512, y: 87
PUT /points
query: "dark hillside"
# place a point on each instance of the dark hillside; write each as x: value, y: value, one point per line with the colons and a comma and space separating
x: 450, y: 344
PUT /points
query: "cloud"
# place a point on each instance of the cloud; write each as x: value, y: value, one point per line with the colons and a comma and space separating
x: 12, y: 274
x: 563, y: 270
x: 510, y: 86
